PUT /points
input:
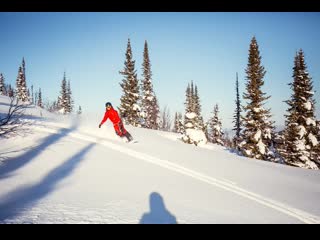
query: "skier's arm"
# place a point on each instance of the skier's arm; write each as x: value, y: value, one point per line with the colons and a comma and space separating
x: 105, y: 118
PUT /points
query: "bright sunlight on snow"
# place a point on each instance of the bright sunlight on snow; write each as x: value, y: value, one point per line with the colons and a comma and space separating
x: 66, y: 170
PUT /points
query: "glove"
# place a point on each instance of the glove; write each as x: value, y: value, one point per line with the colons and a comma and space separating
x: 99, y: 125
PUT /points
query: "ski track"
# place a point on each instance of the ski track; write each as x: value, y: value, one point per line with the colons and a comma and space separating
x: 223, y: 184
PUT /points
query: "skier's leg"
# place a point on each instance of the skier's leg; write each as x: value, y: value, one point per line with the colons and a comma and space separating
x: 122, y: 129
x: 128, y: 136
x: 117, y: 129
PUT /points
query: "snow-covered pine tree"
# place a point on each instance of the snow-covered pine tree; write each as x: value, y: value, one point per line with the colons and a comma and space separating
x: 188, y: 121
x: 237, y: 117
x: 256, y: 140
x: 40, y: 104
x: 197, y: 109
x: 24, y: 68
x: 178, y: 125
x: 317, y: 150
x: 19, y: 84
x: 192, y: 100
x: 149, y: 104
x: 193, y: 105
x: 193, y: 134
x: 129, y: 108
x: 156, y: 113
x: 2, y: 85
x: 24, y: 90
x: 215, y: 132
x: 70, y: 102
x: 300, y: 141
x: 63, y: 98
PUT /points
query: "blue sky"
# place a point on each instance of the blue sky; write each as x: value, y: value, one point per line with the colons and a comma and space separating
x: 208, y: 48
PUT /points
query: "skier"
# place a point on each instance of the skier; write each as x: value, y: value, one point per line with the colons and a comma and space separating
x: 117, y: 122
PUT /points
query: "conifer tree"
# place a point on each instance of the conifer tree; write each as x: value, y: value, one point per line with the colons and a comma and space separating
x: 317, y: 148
x: 24, y: 90
x: 24, y: 68
x: 193, y: 106
x: 70, y: 102
x: 178, y: 124
x: 129, y: 107
x: 2, y: 85
x: 189, y: 122
x: 63, y: 98
x: 40, y: 104
x: 258, y: 128
x: 237, y: 116
x: 300, y: 134
x: 216, y: 133
x: 197, y: 106
x: 19, y: 84
x: 149, y: 103
x: 193, y: 132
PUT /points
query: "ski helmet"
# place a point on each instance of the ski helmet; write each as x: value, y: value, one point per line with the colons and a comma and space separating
x: 108, y: 104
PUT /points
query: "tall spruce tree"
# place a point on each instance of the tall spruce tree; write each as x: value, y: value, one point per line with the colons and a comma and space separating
x: 21, y: 85
x: 258, y: 128
x: 40, y: 104
x: 2, y: 85
x: 129, y: 107
x: 24, y: 68
x: 237, y: 116
x: 63, y: 98
x: 149, y: 103
x: 300, y: 141
x: 215, y: 132
x: 24, y: 90
x: 189, y: 123
x: 19, y: 81
x: 317, y: 149
x: 156, y: 113
x: 197, y: 106
x: 70, y: 102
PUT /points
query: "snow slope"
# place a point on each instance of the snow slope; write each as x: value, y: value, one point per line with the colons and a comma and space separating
x: 67, y: 170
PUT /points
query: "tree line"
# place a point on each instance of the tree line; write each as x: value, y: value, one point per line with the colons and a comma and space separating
x: 254, y: 131
x: 64, y: 103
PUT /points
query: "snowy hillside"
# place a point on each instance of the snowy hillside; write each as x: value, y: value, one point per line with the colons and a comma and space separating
x: 67, y: 170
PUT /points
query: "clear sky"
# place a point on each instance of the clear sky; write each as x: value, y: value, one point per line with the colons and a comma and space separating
x: 208, y: 48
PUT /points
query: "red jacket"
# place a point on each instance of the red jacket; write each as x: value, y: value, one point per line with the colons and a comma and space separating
x: 112, y: 115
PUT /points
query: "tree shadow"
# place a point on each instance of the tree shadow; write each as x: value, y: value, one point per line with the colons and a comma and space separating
x: 17, y: 162
x: 15, y: 202
x: 158, y: 213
